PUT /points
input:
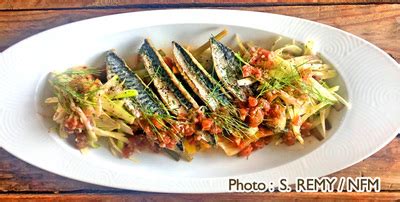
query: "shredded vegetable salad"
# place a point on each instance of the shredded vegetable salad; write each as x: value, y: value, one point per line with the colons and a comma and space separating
x: 239, y: 101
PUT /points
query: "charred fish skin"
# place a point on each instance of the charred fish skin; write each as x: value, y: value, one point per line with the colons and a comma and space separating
x: 209, y: 90
x: 146, y: 100
x: 228, y: 68
x: 171, y: 91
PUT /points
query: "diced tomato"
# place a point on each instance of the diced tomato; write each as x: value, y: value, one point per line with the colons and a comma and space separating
x: 256, y: 72
x: 256, y: 117
x: 242, y: 145
x: 275, y: 111
x: 270, y: 96
x: 289, y: 138
x: 146, y: 128
x: 262, y: 52
x: 206, y: 124
x: 253, y: 50
x: 247, y: 70
x: 261, y: 58
x: 252, y: 101
x: 216, y: 130
x: 269, y: 64
x: 306, y: 126
x: 189, y: 129
x: 254, y: 58
x: 258, y: 144
x: 305, y: 129
x: 166, y: 139
x: 70, y: 123
x: 266, y: 58
x: 246, y: 151
x: 243, y: 112
x: 263, y: 132
x: 196, y: 119
x: 171, y: 144
x: 265, y: 105
x: 200, y: 116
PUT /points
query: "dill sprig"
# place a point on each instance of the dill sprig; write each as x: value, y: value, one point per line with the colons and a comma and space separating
x: 281, y: 78
x: 241, y: 59
x: 231, y: 124
x: 286, y: 74
x: 227, y: 114
x: 163, y: 119
x: 314, y: 93
x: 166, y: 129
x: 153, y: 77
x: 278, y: 83
x: 64, y: 85
x: 227, y: 119
x: 218, y: 95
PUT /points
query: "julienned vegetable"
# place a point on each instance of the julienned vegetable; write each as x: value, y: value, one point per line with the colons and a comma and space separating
x: 88, y: 109
x: 241, y: 102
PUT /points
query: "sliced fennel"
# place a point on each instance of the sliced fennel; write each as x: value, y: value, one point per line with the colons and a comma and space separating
x: 125, y: 94
x: 116, y: 110
x: 115, y: 135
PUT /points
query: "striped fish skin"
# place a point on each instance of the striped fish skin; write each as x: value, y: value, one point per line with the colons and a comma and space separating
x: 209, y: 90
x: 146, y: 100
x: 173, y: 94
x: 228, y: 69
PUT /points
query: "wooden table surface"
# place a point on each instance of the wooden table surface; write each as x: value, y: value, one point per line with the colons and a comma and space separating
x: 375, y: 21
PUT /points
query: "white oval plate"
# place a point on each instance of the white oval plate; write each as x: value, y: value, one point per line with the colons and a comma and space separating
x: 370, y: 80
